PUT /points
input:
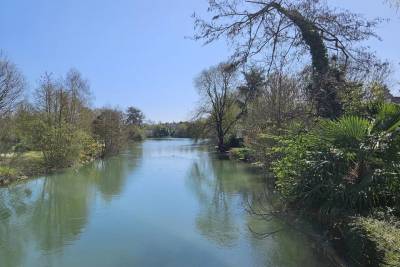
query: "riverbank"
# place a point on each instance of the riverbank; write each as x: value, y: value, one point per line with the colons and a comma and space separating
x: 356, y: 240
x: 16, y: 167
x: 20, y: 166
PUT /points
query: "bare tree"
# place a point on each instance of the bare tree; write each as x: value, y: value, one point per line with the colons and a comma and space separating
x: 217, y: 87
x: 283, y: 28
x: 63, y: 100
x: 11, y: 85
x: 78, y: 90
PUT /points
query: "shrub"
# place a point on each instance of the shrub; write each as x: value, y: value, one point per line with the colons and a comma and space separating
x: 7, y: 172
x: 61, y: 145
x: 242, y: 153
x: 344, y: 167
x: 91, y: 149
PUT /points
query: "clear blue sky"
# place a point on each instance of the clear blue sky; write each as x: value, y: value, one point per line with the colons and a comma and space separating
x: 133, y: 52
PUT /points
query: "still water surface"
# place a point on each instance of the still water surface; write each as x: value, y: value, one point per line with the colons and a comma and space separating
x: 160, y: 203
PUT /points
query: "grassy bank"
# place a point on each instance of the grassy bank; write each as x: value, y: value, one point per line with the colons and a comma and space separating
x: 20, y: 166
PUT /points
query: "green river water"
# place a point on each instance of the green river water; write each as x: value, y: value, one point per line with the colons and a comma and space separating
x: 163, y: 202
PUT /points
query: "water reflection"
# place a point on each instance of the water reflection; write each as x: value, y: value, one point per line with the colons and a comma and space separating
x: 223, y: 196
x: 49, y: 213
x: 160, y: 203
x: 218, y: 184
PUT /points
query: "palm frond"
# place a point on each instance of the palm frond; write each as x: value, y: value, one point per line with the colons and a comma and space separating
x: 388, y: 118
x: 347, y: 131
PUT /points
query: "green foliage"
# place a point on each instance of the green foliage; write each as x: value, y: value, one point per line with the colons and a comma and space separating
x: 134, y: 116
x: 108, y: 130
x: 347, y: 131
x: 372, y: 242
x: 388, y: 118
x: 7, y: 172
x: 242, y: 153
x: 135, y: 133
x: 352, y: 97
x: 90, y: 149
x: 60, y: 145
x: 343, y: 167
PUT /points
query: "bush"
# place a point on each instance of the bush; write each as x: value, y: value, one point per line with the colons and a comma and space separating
x: 91, y: 149
x: 61, y: 145
x: 344, y: 167
x: 7, y: 174
x: 135, y: 133
x: 242, y: 153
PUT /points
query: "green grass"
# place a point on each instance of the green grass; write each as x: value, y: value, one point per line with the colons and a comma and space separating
x: 386, y: 237
x: 372, y: 242
x: 7, y: 174
x: 16, y: 166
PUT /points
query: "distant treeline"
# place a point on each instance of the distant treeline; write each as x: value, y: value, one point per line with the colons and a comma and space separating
x: 175, y: 129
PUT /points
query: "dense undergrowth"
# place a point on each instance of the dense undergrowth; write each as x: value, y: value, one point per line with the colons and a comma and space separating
x: 346, y: 173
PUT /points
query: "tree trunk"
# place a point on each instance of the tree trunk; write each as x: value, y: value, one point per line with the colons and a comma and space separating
x: 323, y: 89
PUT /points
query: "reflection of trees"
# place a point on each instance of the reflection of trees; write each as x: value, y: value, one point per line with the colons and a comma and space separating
x: 48, y: 213
x: 223, y: 190
x: 110, y: 175
x: 218, y: 185
x: 13, y: 203
x: 61, y: 209
x: 283, y: 232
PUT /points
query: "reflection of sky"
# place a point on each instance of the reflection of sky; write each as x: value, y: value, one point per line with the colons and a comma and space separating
x: 163, y: 203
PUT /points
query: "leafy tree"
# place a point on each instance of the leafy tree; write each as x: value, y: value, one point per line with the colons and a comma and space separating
x: 108, y: 129
x: 134, y: 116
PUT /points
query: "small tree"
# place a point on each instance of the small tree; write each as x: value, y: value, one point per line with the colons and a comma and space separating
x: 108, y: 128
x: 134, y: 116
x: 217, y: 87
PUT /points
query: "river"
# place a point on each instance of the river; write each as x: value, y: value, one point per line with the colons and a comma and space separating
x: 163, y: 202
